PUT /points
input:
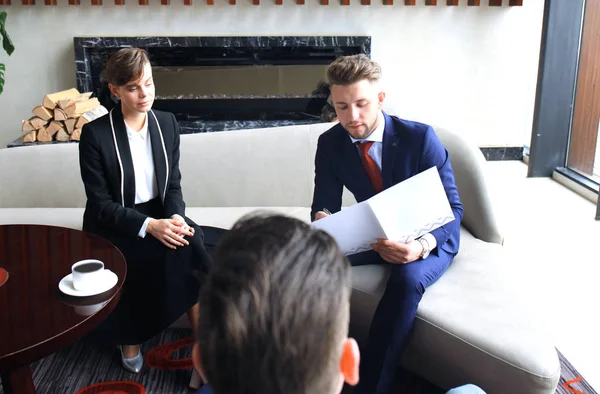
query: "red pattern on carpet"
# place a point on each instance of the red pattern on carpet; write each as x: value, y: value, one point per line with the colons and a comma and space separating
x: 3, y: 276
x: 123, y: 387
x: 160, y: 356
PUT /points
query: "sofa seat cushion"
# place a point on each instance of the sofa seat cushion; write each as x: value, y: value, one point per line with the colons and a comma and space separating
x: 475, y: 323
x: 63, y: 217
x: 225, y: 217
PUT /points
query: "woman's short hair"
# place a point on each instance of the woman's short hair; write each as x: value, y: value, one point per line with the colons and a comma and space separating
x: 125, y: 65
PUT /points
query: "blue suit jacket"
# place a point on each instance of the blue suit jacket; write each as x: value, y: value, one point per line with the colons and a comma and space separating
x: 408, y: 149
x: 204, y: 390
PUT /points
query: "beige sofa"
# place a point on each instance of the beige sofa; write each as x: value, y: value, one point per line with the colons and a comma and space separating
x: 474, y: 325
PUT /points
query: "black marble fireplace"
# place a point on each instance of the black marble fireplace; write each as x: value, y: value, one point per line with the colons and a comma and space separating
x: 227, y: 83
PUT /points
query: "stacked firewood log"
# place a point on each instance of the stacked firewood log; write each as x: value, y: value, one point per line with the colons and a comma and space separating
x: 61, y: 116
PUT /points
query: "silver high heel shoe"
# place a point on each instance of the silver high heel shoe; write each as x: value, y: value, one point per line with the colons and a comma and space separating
x: 134, y: 364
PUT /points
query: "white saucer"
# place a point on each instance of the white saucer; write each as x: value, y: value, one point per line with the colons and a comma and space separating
x: 109, y: 280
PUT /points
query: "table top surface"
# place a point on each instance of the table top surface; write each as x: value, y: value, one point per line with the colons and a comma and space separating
x: 36, y: 318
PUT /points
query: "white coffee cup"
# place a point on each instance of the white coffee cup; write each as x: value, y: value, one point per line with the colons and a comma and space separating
x: 87, y: 274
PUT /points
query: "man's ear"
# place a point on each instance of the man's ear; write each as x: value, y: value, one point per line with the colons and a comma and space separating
x: 380, y: 98
x: 350, y: 361
x: 196, y: 360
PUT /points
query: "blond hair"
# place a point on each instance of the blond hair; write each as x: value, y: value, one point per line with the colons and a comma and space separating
x: 346, y: 70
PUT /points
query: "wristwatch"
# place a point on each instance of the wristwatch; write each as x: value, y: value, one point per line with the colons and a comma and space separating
x: 426, y: 249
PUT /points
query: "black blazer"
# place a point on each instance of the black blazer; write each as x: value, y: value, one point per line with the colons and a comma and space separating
x: 108, y: 175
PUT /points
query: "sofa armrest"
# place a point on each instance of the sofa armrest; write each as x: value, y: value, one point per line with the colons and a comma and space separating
x: 468, y: 164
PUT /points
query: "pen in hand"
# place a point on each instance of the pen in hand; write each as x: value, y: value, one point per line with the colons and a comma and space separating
x: 326, y: 211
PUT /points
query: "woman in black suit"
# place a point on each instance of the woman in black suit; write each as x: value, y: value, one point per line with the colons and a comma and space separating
x: 129, y: 162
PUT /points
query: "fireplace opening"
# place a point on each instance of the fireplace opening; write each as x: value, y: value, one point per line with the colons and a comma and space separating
x: 228, y: 83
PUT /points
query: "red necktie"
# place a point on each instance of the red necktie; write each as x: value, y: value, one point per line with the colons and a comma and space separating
x: 370, y: 165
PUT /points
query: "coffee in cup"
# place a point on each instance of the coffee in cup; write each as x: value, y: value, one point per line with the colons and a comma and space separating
x: 87, y: 274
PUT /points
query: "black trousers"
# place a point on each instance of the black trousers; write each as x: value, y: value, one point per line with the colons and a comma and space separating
x: 161, y: 283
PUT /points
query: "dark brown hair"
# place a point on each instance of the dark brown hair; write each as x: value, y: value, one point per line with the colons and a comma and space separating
x: 125, y: 65
x: 346, y: 70
x: 274, y: 310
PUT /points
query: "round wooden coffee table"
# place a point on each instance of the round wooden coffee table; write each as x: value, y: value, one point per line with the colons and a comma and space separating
x: 36, y: 319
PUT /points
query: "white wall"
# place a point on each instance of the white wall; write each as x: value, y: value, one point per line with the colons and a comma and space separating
x: 473, y: 69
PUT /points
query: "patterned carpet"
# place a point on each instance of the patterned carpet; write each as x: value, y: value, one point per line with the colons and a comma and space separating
x: 84, y: 364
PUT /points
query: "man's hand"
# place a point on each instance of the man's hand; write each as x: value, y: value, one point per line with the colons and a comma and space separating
x: 320, y: 215
x: 397, y: 253
x: 169, y: 232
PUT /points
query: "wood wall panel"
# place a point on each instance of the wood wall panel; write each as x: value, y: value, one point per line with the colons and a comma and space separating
x: 280, y: 2
x: 586, y: 114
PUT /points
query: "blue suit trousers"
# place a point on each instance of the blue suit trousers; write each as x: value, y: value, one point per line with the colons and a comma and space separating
x: 395, y: 316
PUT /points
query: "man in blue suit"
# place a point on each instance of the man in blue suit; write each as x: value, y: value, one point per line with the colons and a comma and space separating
x: 367, y: 152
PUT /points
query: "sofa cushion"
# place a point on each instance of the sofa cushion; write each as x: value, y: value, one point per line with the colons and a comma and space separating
x: 259, y: 167
x: 63, y: 217
x: 41, y: 176
x: 471, y: 324
x: 225, y: 217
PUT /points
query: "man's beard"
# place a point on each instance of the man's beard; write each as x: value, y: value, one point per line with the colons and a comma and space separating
x: 364, y: 130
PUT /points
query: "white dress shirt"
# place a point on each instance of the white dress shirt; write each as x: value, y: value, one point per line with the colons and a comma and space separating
x: 376, y: 153
x: 146, y: 187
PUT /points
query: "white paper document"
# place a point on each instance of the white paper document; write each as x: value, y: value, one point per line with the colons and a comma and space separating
x: 401, y: 213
